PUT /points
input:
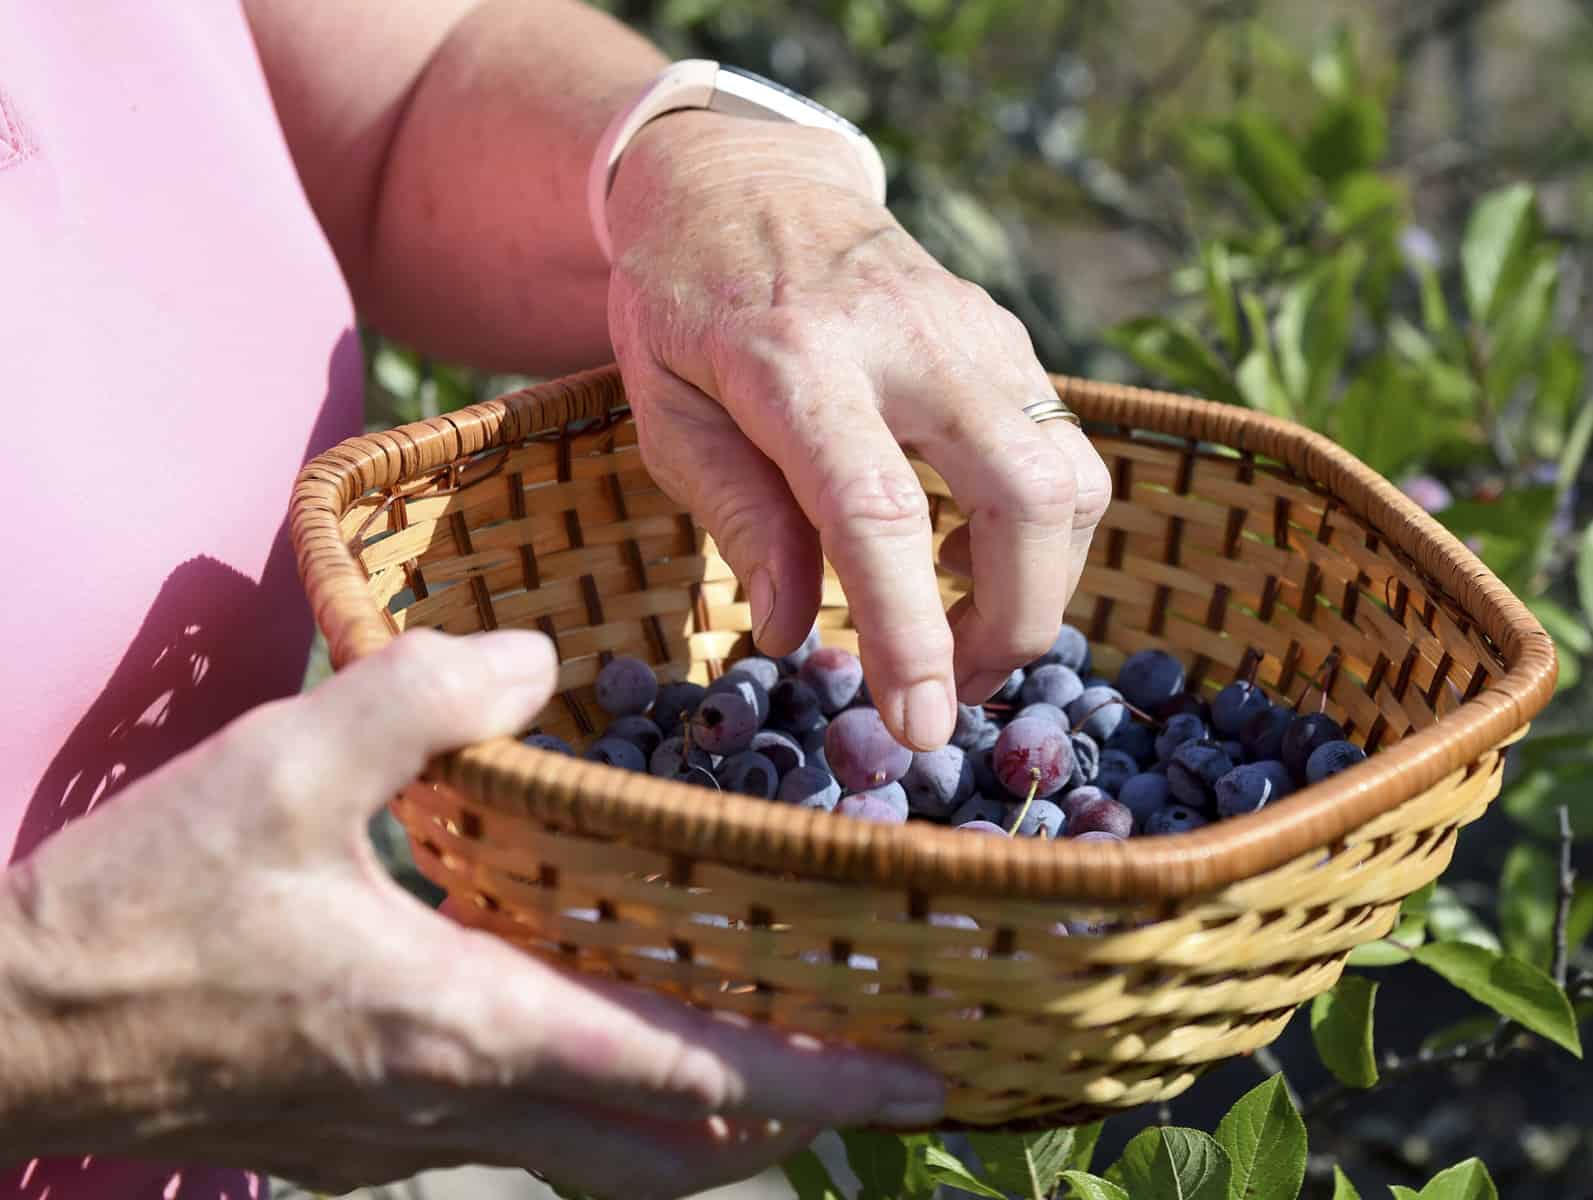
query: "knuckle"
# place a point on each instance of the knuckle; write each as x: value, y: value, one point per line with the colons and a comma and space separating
x: 876, y: 502
x: 1093, y: 490
x: 1040, y: 484
x: 427, y: 665
x: 695, y: 1079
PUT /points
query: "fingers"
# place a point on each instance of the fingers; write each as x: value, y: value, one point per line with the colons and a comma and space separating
x: 571, y: 1038
x: 856, y: 486
x: 695, y: 452
x: 370, y: 729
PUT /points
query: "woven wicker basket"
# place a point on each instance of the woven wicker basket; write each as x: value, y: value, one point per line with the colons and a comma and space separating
x: 1230, y: 534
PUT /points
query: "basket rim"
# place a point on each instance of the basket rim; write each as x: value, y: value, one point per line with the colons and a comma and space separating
x: 736, y: 831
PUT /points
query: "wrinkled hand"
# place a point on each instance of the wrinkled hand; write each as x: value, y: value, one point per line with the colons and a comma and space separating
x: 783, y: 342
x: 243, y: 984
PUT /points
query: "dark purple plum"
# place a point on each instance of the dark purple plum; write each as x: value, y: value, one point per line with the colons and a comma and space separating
x: 1185, y: 727
x: 617, y: 752
x: 982, y: 826
x: 791, y: 663
x: 670, y: 760
x: 1175, y: 818
x: 971, y: 724
x: 1043, y: 819
x: 1150, y: 679
x: 813, y: 745
x: 980, y: 807
x: 1071, y: 649
x: 725, y: 722
x: 1032, y: 744
x: 1135, y: 739
x: 1262, y: 736
x: 1097, y: 711
x: 779, y: 748
x: 1193, y: 771
x: 625, y: 686
x: 1143, y: 795
x: 1114, y: 770
x: 1049, y: 712
x: 1234, y: 706
x: 675, y: 698
x: 984, y: 770
x: 861, y: 752
x: 751, y: 774
x: 885, y: 805
x: 550, y: 742
x: 1305, y: 733
x: 640, y: 730
x: 938, y: 781
x: 1092, y: 835
x: 1070, y: 802
x: 1086, y: 759
x: 835, y: 676
x: 793, y: 707
x: 744, y: 685
x: 1102, y: 816
x: 1330, y: 758
x: 810, y: 787
x: 765, y: 670
x: 1184, y: 702
x: 1051, y: 684
x: 1251, y: 787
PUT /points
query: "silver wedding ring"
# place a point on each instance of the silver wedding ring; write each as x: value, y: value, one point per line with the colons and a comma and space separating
x: 1050, y: 409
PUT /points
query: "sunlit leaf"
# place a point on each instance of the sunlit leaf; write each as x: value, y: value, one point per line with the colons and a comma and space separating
x: 1265, y: 1140
x: 1500, y: 236
x: 1341, y: 1027
x: 1507, y: 985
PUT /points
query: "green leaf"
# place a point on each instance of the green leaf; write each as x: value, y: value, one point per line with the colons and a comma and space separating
x: 1265, y: 1140
x: 1409, y: 932
x: 1341, y: 1027
x: 1217, y: 273
x: 1312, y: 331
x: 1029, y: 1163
x: 1464, y: 1181
x: 1499, y: 238
x: 1084, y: 1186
x: 1528, y: 885
x: 810, y: 1178
x: 1534, y: 799
x: 1382, y: 418
x: 1584, y: 573
x: 942, y: 1166
x: 1569, y: 631
x: 1511, y: 529
x: 1173, y: 1163
x: 1173, y: 350
x: 1521, y: 328
x: 1343, y: 1189
x: 1346, y: 136
x: 1507, y: 985
x: 1257, y: 376
x: 880, y: 1162
x: 1268, y: 164
x: 1449, y: 920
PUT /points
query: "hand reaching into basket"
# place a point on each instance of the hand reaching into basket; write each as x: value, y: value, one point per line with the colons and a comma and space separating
x: 216, y: 969
x: 783, y: 341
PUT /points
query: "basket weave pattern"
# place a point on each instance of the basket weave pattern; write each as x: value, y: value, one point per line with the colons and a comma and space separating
x: 1231, y: 537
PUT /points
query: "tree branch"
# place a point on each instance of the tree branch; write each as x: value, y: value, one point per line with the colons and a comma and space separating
x: 1567, y: 893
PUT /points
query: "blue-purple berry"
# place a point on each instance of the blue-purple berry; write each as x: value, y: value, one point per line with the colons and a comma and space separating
x: 1150, y: 679
x: 1044, y: 819
x: 725, y: 722
x: 1251, y: 787
x: 550, y: 742
x: 751, y: 774
x: 1305, y: 733
x: 1097, y: 711
x: 1185, y: 727
x: 938, y: 781
x: 809, y: 787
x: 1262, y: 736
x: 1114, y: 770
x: 1234, y: 706
x: 885, y: 805
x: 779, y: 748
x: 1330, y: 758
x: 1052, y: 684
x: 638, y: 729
x: 1144, y: 794
x: 835, y: 675
x: 617, y: 752
x: 1193, y: 771
x: 861, y: 752
x: 1175, y: 818
x: 680, y: 696
x: 625, y: 686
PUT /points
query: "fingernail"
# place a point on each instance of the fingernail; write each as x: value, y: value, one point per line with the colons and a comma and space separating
x: 760, y: 591
x: 517, y: 655
x: 927, y: 714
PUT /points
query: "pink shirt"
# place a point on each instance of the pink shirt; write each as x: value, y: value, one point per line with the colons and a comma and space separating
x: 175, y: 339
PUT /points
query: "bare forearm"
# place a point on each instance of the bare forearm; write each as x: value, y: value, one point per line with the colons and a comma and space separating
x: 446, y: 151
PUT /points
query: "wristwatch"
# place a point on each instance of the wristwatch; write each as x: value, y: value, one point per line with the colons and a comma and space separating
x: 703, y: 83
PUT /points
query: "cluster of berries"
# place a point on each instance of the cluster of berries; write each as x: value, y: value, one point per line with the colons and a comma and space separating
x: 1057, y: 752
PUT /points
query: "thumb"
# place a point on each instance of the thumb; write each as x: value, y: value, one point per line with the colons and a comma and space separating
x: 695, y: 451
x: 380, y: 721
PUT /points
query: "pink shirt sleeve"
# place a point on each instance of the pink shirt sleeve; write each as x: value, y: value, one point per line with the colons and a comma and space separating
x: 175, y: 340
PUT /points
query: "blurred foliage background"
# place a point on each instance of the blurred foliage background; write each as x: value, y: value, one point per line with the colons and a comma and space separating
x: 1373, y: 218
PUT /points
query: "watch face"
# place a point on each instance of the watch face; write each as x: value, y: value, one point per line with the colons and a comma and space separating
x: 785, y: 91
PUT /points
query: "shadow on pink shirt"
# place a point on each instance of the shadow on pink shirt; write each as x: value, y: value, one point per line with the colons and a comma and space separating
x: 213, y: 644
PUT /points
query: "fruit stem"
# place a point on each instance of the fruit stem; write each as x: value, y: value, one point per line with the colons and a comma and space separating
x: 1138, y: 712
x: 1328, y: 666
x: 1034, y: 786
